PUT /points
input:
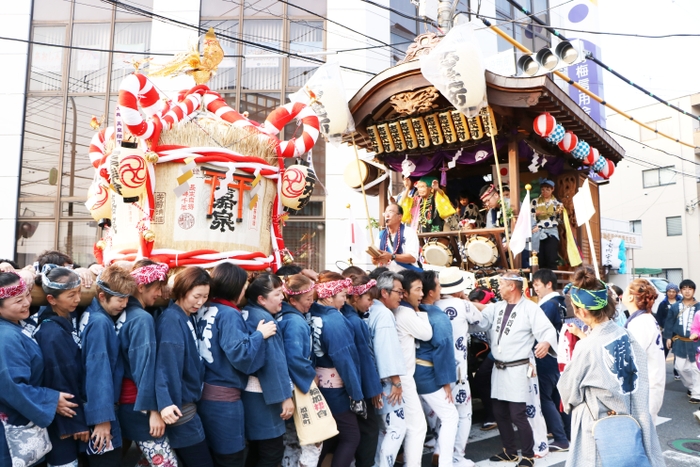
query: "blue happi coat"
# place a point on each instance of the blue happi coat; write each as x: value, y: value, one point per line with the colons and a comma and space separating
x: 296, y: 332
x: 179, y: 372
x: 230, y: 352
x: 262, y: 410
x: 334, y: 347
x: 371, y: 384
x: 22, y: 397
x: 63, y: 371
x: 438, y: 351
x: 104, y: 369
x: 137, y: 350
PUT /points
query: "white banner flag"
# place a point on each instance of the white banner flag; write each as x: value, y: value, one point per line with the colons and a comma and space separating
x: 523, y: 227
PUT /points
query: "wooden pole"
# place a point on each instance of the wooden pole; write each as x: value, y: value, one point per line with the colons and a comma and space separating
x: 591, y: 245
x: 500, y: 191
x: 364, y: 195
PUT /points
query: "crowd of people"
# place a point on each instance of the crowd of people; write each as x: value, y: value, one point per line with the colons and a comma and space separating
x: 218, y: 375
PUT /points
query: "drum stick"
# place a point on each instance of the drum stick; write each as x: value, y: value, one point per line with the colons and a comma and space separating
x: 364, y: 195
x: 503, y: 204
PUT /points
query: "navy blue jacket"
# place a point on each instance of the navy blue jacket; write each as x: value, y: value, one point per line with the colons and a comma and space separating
x: 297, y: 346
x: 179, y: 368
x: 552, y: 309
x: 371, y: 384
x: 438, y: 351
x: 63, y: 366
x: 334, y: 346
x: 273, y: 375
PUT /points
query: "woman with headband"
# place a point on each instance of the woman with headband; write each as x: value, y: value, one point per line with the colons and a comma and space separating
x: 230, y: 352
x: 293, y: 321
x: 179, y: 368
x: 267, y: 398
x: 63, y: 368
x: 608, y: 372
x: 103, y: 367
x: 337, y: 367
x: 139, y: 418
x: 23, y: 400
x: 360, y: 295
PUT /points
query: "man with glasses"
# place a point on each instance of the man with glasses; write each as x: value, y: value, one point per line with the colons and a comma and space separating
x: 512, y: 326
x: 386, y: 350
x: 398, y: 243
x: 492, y: 201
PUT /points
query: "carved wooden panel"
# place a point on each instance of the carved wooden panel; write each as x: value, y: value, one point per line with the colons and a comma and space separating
x: 422, y: 45
x: 415, y: 102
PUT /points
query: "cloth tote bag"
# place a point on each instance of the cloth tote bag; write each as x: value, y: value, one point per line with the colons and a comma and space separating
x: 312, y: 416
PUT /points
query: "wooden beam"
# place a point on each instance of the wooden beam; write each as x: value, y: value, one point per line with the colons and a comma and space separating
x: 514, y: 175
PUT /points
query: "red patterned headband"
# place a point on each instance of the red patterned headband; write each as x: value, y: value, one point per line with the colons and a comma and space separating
x: 488, y: 192
x: 151, y: 273
x: 13, y: 290
x: 362, y: 289
x: 291, y: 292
x: 328, y: 289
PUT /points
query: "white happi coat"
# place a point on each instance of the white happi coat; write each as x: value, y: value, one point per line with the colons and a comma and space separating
x: 526, y: 324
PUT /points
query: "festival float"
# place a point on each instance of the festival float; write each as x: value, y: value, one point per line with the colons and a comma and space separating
x: 439, y: 113
x: 191, y: 181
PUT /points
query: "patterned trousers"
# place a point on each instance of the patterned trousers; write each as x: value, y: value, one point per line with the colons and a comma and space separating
x: 296, y: 455
x: 391, y: 434
x: 156, y: 452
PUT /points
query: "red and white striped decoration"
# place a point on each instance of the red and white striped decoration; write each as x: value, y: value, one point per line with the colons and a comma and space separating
x: 544, y: 124
x: 592, y: 156
x: 97, y: 146
x: 305, y: 116
x: 569, y: 142
x: 608, y: 169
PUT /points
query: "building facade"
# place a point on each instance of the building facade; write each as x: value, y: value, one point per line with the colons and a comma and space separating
x: 659, y: 192
x: 68, y: 58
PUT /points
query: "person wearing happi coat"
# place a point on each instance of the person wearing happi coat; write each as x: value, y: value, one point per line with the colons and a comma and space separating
x: 436, y: 371
x: 104, y: 369
x: 63, y: 368
x: 387, y: 353
x: 267, y: 398
x: 337, y: 367
x: 179, y: 367
x: 398, y: 243
x: 139, y: 417
x: 229, y: 352
x: 294, y: 323
x: 23, y: 398
x: 420, y: 210
x: 546, y: 216
x: 411, y: 325
x: 461, y: 313
x: 677, y: 331
x: 358, y: 302
x: 513, y: 325
x: 494, y: 206
x: 608, y: 372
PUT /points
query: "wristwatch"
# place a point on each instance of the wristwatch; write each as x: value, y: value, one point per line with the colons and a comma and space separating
x: 397, y: 385
x: 393, y: 257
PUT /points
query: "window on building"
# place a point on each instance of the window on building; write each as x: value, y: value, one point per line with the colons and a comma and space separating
x: 674, y: 276
x: 664, y: 125
x: 659, y: 177
x: 636, y: 226
x: 674, y: 226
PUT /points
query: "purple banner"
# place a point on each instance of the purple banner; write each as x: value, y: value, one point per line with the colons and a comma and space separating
x: 589, y: 76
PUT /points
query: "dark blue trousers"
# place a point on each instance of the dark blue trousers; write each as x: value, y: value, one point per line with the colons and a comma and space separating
x: 550, y: 400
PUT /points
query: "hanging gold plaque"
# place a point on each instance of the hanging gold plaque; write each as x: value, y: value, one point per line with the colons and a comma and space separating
x: 377, y: 145
x: 475, y: 128
x: 433, y: 124
x: 409, y: 134
x: 397, y: 136
x: 385, y: 137
x: 421, y: 132
x: 489, y: 121
x: 461, y: 126
x: 448, y: 128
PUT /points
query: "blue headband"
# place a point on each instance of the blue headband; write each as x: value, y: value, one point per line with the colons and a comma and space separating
x: 58, y: 285
x: 590, y: 299
x: 103, y: 285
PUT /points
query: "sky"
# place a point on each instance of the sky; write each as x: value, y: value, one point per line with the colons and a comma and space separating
x: 668, y: 67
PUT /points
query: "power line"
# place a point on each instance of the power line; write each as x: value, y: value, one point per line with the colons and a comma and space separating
x: 651, y: 147
x: 590, y: 56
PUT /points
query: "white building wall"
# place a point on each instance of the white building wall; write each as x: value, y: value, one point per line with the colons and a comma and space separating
x: 15, y: 23
x: 626, y: 198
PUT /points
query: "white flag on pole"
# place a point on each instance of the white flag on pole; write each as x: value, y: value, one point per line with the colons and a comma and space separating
x: 583, y: 204
x: 523, y: 227
x: 358, y: 236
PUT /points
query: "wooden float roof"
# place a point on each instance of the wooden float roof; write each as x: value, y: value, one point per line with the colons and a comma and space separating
x: 522, y: 99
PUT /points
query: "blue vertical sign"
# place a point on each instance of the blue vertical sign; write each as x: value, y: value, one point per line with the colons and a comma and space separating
x: 589, y: 76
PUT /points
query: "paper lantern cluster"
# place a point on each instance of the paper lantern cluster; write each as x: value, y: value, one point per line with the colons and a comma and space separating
x: 547, y: 127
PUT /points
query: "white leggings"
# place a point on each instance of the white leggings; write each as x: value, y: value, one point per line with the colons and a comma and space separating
x: 392, y: 431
